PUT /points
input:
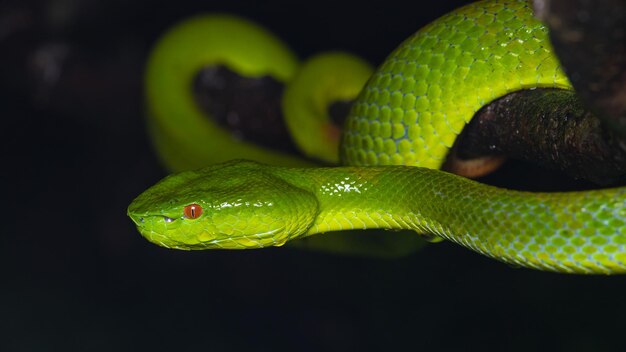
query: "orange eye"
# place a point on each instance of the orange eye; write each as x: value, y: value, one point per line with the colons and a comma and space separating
x: 192, y: 211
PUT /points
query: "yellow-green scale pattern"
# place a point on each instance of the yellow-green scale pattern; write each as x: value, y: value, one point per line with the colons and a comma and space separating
x: 251, y: 205
x: 580, y: 232
x: 426, y: 91
x: 409, y: 113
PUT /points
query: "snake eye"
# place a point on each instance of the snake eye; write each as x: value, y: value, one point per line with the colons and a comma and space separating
x: 192, y: 211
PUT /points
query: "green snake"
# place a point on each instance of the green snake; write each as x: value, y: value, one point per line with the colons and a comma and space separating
x: 398, y: 132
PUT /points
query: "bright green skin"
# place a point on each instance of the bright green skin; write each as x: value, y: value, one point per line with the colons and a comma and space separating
x: 251, y: 205
x: 324, y: 78
x: 184, y: 137
x: 409, y: 113
x: 419, y: 100
x: 187, y: 139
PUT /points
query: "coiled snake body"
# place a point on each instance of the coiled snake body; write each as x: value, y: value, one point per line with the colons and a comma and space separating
x: 409, y: 114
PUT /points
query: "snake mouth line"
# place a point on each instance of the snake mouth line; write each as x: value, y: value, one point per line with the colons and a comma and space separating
x: 140, y: 220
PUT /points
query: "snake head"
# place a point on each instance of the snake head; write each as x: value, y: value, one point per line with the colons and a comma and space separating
x: 234, y: 205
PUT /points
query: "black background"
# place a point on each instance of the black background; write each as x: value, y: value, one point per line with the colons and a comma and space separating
x: 75, y: 274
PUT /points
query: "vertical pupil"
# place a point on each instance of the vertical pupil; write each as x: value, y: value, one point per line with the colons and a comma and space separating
x: 193, y: 211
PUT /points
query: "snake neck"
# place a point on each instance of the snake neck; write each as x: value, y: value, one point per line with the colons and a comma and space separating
x: 388, y: 197
x: 583, y: 232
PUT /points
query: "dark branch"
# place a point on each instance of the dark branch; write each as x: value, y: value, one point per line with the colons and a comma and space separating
x: 589, y: 38
x: 548, y: 127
